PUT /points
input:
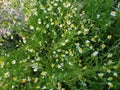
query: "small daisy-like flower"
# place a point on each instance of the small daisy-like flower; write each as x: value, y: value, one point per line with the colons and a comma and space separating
x: 100, y: 75
x: 103, y: 46
x: 7, y: 74
x: 110, y: 55
x: 84, y: 84
x: 44, y: 87
x: 52, y: 65
x: 13, y: 87
x: 86, y: 30
x: 93, y: 39
x: 62, y: 55
x: 37, y: 87
x: 115, y: 74
x: 79, y: 32
x: 39, y: 21
x: 85, y: 67
x: 31, y: 50
x: 110, y: 62
x: 63, y: 89
x: 37, y: 28
x: 66, y: 40
x: 80, y: 50
x: 64, y: 43
x: 24, y: 39
x: 110, y: 79
x: 60, y: 25
x: 116, y: 67
x: 68, y: 22
x: 31, y: 27
x: 108, y: 71
x: 58, y: 66
x: 24, y: 80
x: 70, y: 63
x: 95, y: 53
x: 14, y: 78
x: 59, y: 50
x: 73, y: 26
x: 11, y: 37
x: 87, y: 41
x: 35, y: 80
x: 66, y: 4
x: 110, y: 84
x: 43, y: 73
x: 59, y: 85
x: 77, y: 44
x: 49, y: 9
x: 113, y: 13
x: 35, y: 69
x: 13, y: 62
x: 109, y: 36
x: 28, y: 79
x: 98, y: 15
x: 26, y: 19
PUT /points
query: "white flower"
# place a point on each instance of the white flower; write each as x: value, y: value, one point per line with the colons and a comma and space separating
x: 80, y: 50
x: 64, y: 43
x: 70, y: 63
x: 110, y: 84
x: 44, y: 73
x: 6, y: 75
x: 87, y: 41
x: 84, y: 84
x: 113, y: 13
x: 39, y: 21
x: 13, y: 62
x: 44, y: 87
x: 109, y: 36
x: 35, y: 69
x: 109, y: 62
x: 115, y: 74
x: 66, y: 40
x: 36, y: 80
x: 100, y: 75
x: 110, y: 79
x: 55, y: 4
x: 31, y: 27
x: 103, y: 46
x: 79, y: 32
x: 24, y: 39
x: 77, y: 44
x: 110, y: 55
x: 68, y: 22
x: 98, y: 15
x: 28, y: 79
x: 49, y: 9
x: 59, y: 66
x: 13, y: 87
x: 95, y: 53
x: 108, y: 71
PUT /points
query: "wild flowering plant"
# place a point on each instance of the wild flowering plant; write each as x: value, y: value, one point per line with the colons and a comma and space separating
x: 62, y: 49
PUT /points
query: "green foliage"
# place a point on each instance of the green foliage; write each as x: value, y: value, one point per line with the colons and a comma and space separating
x: 59, y: 45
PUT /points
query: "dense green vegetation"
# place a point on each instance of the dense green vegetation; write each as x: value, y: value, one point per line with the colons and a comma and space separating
x: 60, y: 45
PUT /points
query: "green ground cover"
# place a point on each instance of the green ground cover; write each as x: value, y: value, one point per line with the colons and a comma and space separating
x: 60, y: 45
